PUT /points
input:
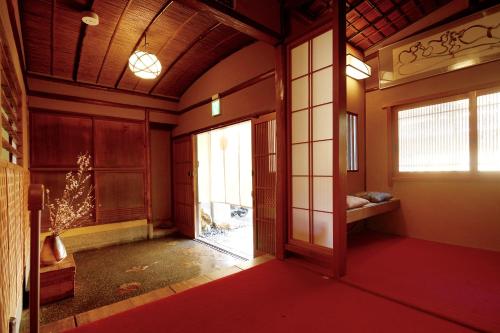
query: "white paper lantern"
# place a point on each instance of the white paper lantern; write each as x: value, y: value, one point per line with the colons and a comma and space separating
x: 144, y: 65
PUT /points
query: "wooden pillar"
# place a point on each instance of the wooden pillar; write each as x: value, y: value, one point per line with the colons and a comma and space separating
x: 35, y: 205
x: 339, y: 144
x: 147, y: 136
x: 281, y: 144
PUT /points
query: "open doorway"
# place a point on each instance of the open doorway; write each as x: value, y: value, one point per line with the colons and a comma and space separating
x: 224, y: 188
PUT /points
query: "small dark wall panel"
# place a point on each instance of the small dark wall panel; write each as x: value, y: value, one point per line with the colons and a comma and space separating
x: 56, y: 140
x: 120, y: 196
x: 183, y: 186
x: 119, y: 144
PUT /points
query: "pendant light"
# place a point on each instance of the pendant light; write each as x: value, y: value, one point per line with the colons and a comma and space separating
x: 144, y: 64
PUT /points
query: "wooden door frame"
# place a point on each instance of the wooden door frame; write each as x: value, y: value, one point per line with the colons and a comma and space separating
x: 253, y: 119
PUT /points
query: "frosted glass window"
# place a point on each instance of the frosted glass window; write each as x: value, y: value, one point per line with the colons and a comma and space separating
x: 488, y: 132
x: 300, y: 159
x: 300, y: 192
x: 434, y: 137
x: 322, y: 122
x: 323, y: 229
x: 323, y: 193
x: 323, y: 158
x: 300, y: 56
x: 322, y: 86
x: 323, y: 50
x: 300, y: 94
x: 300, y: 224
x: 300, y: 126
x: 352, y: 142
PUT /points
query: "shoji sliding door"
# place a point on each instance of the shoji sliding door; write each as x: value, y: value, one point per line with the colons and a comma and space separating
x: 311, y: 135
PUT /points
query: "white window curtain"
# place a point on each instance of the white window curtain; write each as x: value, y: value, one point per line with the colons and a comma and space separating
x: 225, y: 165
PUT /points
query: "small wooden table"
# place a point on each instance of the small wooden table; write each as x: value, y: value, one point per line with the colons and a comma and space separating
x: 57, y: 281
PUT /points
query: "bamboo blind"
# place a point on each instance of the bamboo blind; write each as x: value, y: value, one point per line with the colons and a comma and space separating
x: 14, y: 238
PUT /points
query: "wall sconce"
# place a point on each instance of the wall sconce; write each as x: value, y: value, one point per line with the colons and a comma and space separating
x: 215, y: 105
x: 356, y: 68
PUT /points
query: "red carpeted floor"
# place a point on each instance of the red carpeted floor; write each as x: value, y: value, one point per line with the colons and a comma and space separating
x: 274, y: 297
x: 459, y: 283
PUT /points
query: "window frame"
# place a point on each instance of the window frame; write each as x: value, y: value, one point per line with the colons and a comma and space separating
x: 11, y: 108
x: 393, y: 140
x: 356, y: 138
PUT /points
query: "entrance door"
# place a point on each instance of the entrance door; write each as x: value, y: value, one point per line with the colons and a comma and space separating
x: 224, y: 188
x: 183, y: 185
x: 264, y: 160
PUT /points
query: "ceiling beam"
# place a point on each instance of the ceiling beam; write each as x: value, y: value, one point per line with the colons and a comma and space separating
x: 39, y: 76
x: 180, y: 55
x: 79, y: 44
x: 155, y: 18
x: 235, y: 20
x: 52, y: 34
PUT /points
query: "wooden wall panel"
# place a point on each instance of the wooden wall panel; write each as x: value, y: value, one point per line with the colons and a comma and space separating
x: 117, y: 148
x: 183, y: 185
x: 119, y: 196
x: 56, y: 140
x: 118, y: 144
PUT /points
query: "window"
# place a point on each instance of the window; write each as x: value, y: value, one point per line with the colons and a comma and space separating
x: 460, y: 134
x: 352, y: 142
x: 488, y: 132
x: 10, y: 109
x: 434, y: 137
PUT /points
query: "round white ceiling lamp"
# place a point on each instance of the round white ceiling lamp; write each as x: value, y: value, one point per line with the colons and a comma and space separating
x: 90, y: 18
x: 144, y: 64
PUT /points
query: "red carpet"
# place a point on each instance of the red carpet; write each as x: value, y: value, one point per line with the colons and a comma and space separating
x: 273, y: 297
x: 456, y: 282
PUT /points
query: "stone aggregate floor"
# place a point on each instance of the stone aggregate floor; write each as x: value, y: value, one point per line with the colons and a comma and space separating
x: 114, y: 273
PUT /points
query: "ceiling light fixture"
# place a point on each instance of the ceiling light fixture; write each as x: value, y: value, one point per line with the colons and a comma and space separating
x: 144, y: 64
x: 356, y: 68
x: 90, y: 18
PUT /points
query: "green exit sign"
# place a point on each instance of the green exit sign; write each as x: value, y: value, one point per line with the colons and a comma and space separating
x: 215, y: 105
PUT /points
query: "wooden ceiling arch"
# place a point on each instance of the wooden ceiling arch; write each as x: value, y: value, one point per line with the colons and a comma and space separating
x: 187, y: 41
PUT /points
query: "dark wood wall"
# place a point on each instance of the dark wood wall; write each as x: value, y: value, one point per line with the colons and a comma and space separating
x: 117, y: 147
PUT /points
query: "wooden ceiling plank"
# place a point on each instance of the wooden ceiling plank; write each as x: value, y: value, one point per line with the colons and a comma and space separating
x: 393, y: 10
x: 162, y: 10
x: 186, y: 50
x: 36, y: 23
x: 220, y: 52
x: 235, y: 20
x: 112, y: 40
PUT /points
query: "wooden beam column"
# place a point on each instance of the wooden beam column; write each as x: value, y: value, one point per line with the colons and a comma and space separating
x: 149, y: 201
x: 281, y: 151
x: 35, y: 205
x: 339, y: 143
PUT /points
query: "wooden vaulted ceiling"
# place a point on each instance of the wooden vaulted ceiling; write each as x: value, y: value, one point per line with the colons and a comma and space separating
x: 370, y: 21
x: 187, y: 42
